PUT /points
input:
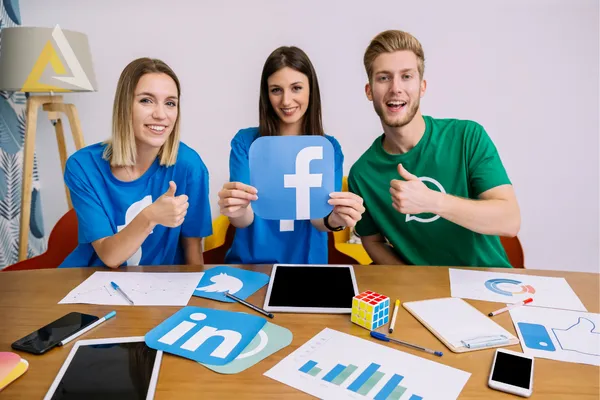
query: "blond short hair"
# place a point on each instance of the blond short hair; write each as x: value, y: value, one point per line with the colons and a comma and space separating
x: 120, y: 150
x: 390, y: 41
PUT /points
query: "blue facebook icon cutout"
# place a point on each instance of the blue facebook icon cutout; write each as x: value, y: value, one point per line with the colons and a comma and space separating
x: 205, y: 335
x: 294, y: 176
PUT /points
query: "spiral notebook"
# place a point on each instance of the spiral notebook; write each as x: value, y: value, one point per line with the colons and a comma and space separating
x: 460, y: 326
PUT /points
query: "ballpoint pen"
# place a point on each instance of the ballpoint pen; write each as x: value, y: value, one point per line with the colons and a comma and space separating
x: 252, y: 306
x: 382, y: 336
x: 118, y: 289
x: 87, y: 328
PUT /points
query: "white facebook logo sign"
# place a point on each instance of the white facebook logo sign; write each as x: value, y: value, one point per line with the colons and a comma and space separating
x: 303, y: 180
x: 294, y: 176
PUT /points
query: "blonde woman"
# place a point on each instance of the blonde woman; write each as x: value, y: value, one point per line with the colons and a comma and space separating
x: 141, y: 197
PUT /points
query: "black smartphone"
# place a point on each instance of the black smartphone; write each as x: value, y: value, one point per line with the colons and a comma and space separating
x: 45, y: 338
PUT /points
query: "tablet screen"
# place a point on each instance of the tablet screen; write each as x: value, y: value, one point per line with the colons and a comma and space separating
x: 311, y: 286
x: 108, y: 371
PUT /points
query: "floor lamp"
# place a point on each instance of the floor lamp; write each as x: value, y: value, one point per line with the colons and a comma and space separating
x: 42, y: 62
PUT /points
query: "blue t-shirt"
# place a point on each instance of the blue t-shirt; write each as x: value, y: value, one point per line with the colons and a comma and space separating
x: 263, y: 242
x: 105, y: 205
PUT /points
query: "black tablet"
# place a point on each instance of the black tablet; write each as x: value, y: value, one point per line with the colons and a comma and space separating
x: 311, y: 289
x: 123, y: 368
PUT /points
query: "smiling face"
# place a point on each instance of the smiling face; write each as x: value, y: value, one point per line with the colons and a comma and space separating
x: 289, y: 94
x: 396, y: 87
x: 155, y: 110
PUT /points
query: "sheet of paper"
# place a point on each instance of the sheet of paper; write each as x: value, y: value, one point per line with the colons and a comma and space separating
x: 456, y: 320
x: 335, y: 365
x: 513, y: 288
x: 562, y: 335
x: 144, y: 288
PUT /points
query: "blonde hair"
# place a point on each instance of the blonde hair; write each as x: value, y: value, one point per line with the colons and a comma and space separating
x: 390, y: 41
x: 120, y: 150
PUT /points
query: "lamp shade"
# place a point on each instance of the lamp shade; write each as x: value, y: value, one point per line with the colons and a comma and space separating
x: 45, y: 60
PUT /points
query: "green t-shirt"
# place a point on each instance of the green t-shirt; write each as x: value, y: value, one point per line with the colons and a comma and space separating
x: 453, y: 156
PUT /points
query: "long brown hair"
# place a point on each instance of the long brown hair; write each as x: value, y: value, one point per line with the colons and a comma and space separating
x: 120, y: 149
x: 292, y: 57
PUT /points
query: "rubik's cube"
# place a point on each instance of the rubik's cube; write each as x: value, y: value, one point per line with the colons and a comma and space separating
x: 370, y: 310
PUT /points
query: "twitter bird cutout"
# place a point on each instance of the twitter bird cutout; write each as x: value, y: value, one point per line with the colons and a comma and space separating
x: 241, y: 283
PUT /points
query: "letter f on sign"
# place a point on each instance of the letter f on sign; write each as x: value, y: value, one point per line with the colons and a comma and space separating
x: 302, y: 180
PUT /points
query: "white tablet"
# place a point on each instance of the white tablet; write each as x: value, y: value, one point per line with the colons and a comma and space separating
x: 311, y: 289
x: 123, y: 368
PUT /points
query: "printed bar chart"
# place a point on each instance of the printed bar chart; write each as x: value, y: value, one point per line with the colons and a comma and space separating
x: 364, y: 382
x: 366, y: 388
x: 341, y: 378
x: 331, y: 375
x: 363, y: 378
x: 387, y: 392
x: 397, y: 393
x: 308, y: 366
x: 326, y: 369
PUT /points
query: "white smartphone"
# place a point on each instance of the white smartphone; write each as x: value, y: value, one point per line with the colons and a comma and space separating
x: 512, y: 372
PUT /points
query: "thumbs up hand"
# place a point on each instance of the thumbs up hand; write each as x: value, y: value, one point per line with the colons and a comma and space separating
x: 411, y: 196
x: 172, y: 189
x: 169, y: 210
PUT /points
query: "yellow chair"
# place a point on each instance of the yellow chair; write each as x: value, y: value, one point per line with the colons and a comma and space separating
x: 217, y: 239
x: 354, y: 250
x: 217, y: 244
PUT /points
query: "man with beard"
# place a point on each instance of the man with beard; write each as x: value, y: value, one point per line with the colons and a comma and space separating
x: 435, y: 190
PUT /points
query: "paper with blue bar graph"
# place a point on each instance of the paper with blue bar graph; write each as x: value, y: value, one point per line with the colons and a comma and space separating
x: 335, y: 365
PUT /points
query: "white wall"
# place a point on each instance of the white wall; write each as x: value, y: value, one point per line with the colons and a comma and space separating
x: 527, y: 70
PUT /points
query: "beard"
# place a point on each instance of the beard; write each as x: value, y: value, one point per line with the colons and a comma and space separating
x: 397, y: 122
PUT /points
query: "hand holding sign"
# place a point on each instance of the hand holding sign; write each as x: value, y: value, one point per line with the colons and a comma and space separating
x: 347, y: 209
x: 235, y: 197
x: 411, y: 195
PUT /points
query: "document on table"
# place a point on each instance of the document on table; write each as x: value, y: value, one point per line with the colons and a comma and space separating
x: 514, y: 288
x: 335, y: 365
x: 563, y: 335
x: 144, y: 288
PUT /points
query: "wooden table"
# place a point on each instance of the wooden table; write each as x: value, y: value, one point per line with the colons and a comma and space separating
x: 28, y: 300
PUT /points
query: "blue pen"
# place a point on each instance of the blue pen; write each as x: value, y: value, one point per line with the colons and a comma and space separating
x: 382, y: 336
x: 87, y: 328
x: 118, y: 289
